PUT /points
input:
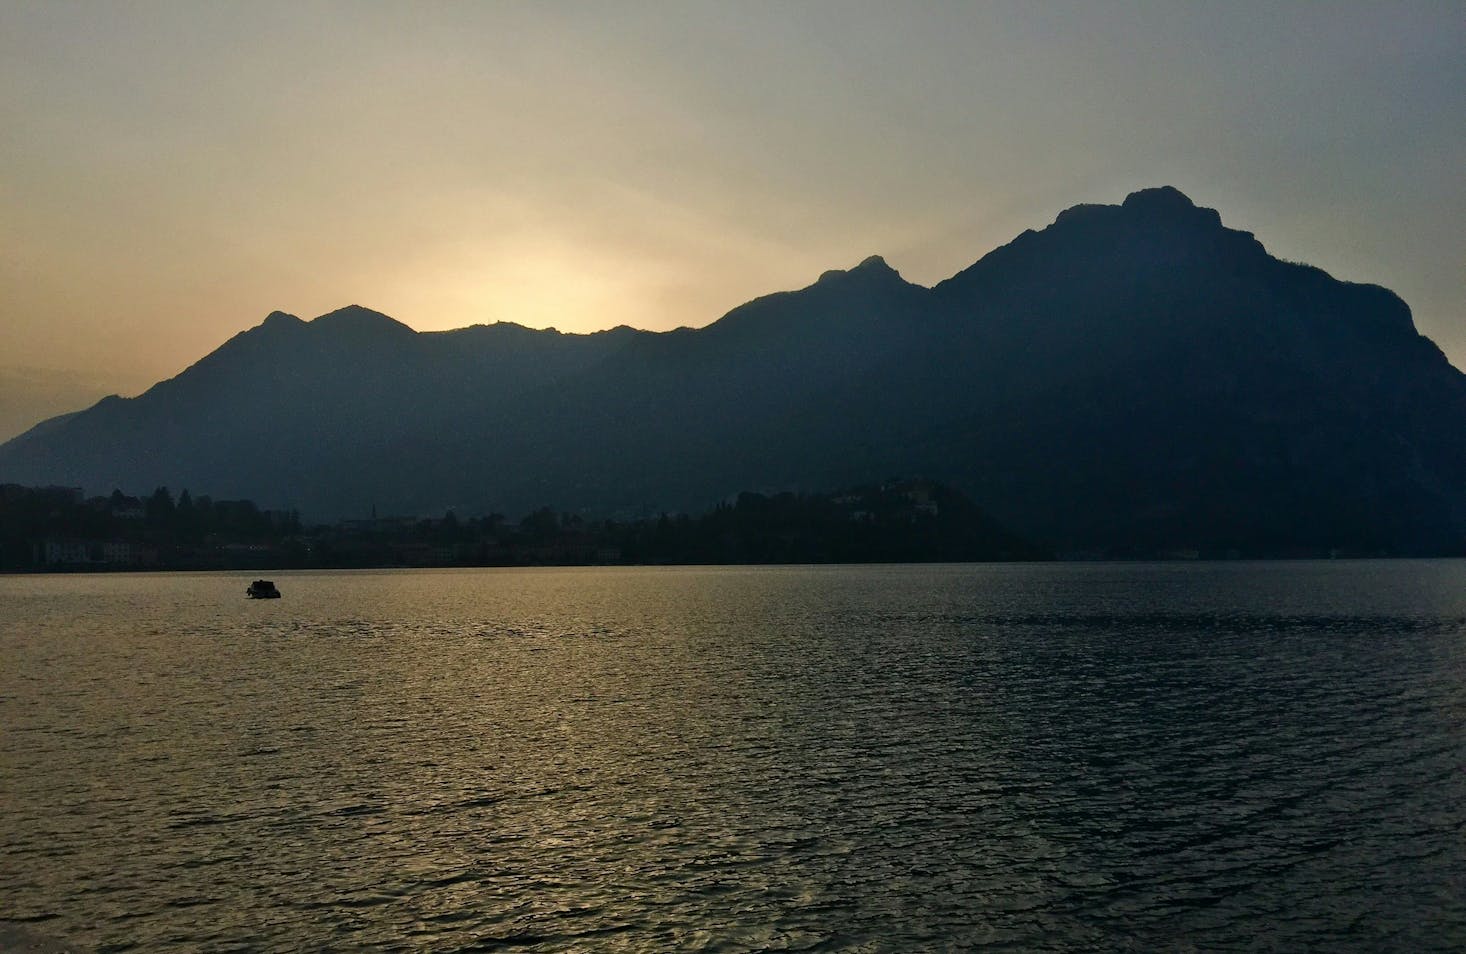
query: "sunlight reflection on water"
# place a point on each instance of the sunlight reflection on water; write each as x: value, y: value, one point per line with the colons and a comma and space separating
x: 885, y: 758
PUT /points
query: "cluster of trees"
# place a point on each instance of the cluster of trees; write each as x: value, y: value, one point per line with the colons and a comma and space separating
x: 191, y: 520
x: 898, y: 521
x: 165, y: 529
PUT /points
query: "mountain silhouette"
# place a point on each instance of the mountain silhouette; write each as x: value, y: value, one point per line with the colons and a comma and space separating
x: 1132, y: 379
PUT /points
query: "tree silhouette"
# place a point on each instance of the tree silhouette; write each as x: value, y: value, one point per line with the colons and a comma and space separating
x: 160, y: 507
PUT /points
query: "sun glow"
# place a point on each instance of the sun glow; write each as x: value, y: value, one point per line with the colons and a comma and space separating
x: 541, y: 284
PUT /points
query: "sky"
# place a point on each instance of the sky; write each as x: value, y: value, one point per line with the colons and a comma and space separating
x: 172, y: 172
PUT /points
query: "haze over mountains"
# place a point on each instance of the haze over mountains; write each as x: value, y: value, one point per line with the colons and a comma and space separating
x: 1134, y: 378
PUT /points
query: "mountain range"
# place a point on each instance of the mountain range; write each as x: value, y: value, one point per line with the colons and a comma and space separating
x: 1132, y: 379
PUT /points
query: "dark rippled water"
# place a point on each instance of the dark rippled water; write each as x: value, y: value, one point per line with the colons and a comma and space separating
x: 1174, y: 757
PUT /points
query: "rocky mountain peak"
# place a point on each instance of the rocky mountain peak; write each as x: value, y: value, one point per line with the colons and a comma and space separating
x: 871, y: 267
x: 359, y: 320
x: 1169, y: 204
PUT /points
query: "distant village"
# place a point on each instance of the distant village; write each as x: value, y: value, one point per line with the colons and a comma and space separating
x: 60, y: 529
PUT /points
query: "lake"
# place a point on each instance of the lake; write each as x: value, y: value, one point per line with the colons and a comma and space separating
x: 1183, y: 756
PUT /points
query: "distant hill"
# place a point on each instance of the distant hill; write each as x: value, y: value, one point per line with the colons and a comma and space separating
x: 1133, y: 379
x: 28, y: 395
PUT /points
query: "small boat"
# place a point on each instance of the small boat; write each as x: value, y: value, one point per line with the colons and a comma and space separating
x: 262, y: 590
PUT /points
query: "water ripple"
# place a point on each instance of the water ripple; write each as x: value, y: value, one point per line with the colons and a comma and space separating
x: 1260, y: 757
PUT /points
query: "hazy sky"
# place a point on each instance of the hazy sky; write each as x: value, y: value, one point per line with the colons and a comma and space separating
x: 171, y: 172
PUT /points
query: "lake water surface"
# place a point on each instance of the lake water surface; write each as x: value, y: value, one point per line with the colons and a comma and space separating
x: 1262, y: 756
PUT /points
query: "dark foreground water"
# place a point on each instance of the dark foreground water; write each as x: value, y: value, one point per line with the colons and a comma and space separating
x: 1080, y: 757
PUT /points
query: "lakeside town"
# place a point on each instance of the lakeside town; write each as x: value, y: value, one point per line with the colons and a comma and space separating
x: 61, y: 529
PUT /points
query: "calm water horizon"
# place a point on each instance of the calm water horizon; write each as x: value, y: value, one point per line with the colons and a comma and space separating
x: 1170, y: 756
